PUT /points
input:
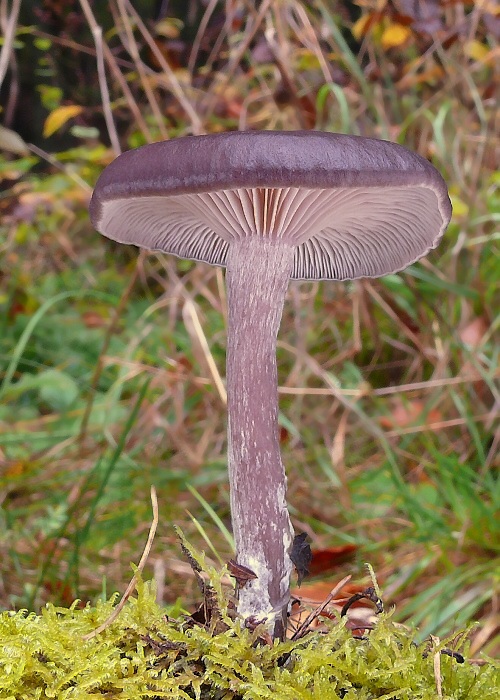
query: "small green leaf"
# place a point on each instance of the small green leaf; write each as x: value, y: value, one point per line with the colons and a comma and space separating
x: 57, y: 389
x: 42, y: 44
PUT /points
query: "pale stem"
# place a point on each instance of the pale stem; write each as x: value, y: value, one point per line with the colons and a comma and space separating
x: 258, y: 272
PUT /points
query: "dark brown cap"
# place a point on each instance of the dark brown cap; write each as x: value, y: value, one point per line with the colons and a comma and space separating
x: 352, y: 206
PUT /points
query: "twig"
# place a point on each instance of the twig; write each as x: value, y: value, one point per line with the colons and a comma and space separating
x: 388, y: 390
x: 113, y: 64
x: 60, y: 166
x: 302, y: 629
x: 199, y: 35
x: 191, y: 319
x: 132, y: 48
x: 9, y: 24
x: 437, y: 668
x: 310, y: 39
x: 140, y: 567
x: 174, y: 84
x: 101, y: 72
x: 233, y: 64
x: 368, y: 594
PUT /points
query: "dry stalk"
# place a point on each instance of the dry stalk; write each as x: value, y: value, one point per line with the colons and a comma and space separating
x: 303, y: 628
x: 133, y: 582
x: 131, y: 46
x: 101, y: 73
x: 231, y: 68
x: 437, y: 668
x: 171, y: 79
x: 8, y: 24
x: 199, y: 35
x: 192, y: 323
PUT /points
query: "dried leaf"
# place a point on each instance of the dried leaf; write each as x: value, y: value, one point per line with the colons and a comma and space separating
x: 94, y: 319
x: 58, y: 117
x: 15, y: 468
x: 429, y: 77
x: 472, y: 334
x: 409, y: 413
x: 11, y: 141
x: 301, y: 556
x: 426, y: 15
x: 168, y: 27
x: 361, y: 26
x: 395, y: 35
x: 314, y: 593
x: 326, y: 560
x: 241, y: 573
x: 476, y: 50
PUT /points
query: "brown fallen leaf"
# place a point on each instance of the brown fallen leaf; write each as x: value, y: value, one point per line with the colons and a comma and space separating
x: 326, y: 560
x: 409, y: 413
x: 473, y: 333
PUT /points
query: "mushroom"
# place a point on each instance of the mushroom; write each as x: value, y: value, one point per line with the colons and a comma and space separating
x: 270, y: 207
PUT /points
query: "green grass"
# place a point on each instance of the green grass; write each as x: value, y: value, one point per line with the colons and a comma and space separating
x: 389, y: 388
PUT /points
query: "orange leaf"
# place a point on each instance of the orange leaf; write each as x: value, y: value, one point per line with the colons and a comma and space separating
x: 315, y: 593
x: 15, y: 469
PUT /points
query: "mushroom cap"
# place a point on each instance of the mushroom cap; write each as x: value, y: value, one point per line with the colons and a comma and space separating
x: 352, y: 206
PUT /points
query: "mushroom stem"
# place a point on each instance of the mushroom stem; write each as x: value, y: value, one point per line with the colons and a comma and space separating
x: 258, y: 272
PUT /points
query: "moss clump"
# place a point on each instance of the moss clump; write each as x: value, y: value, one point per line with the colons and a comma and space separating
x: 143, y: 654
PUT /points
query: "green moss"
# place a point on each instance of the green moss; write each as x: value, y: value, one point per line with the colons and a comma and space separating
x: 143, y: 654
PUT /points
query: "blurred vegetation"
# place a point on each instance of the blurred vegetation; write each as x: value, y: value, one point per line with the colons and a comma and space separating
x: 389, y: 388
